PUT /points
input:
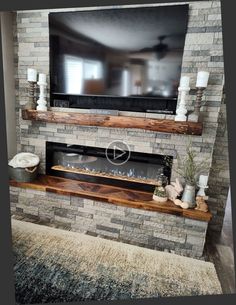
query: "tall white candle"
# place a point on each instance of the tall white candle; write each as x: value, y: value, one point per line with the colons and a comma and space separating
x: 202, y: 79
x: 31, y: 75
x: 203, y: 180
x: 184, y: 81
x: 42, y: 78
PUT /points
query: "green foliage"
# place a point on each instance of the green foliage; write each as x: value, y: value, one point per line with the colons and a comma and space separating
x: 188, y: 167
x: 160, y: 191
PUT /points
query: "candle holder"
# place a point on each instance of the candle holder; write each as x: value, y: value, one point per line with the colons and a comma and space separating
x: 182, y: 110
x: 195, y: 115
x: 42, y: 103
x: 201, y: 191
x: 31, y: 96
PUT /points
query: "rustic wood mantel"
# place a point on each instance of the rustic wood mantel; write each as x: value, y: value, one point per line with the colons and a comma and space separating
x: 111, y: 194
x: 167, y: 126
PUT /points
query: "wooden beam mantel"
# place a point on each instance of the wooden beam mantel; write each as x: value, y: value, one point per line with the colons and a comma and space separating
x: 167, y: 126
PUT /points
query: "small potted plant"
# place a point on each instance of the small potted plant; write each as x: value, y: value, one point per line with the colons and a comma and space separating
x: 190, y: 169
x: 160, y: 192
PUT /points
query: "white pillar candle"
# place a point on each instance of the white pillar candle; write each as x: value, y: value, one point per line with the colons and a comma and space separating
x: 184, y: 81
x: 202, y: 79
x: 31, y: 75
x: 42, y: 78
x: 203, y: 180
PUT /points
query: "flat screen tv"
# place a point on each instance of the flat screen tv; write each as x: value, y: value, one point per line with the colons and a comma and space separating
x: 118, y: 59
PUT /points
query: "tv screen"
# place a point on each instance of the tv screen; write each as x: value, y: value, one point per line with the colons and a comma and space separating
x: 124, y: 59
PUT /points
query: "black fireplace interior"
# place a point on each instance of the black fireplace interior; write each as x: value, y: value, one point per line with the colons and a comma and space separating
x: 90, y: 164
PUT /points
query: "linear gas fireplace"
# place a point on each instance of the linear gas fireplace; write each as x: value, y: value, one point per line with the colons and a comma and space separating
x: 94, y: 164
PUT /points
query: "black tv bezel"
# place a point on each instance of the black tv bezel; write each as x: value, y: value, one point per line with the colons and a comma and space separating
x: 167, y: 105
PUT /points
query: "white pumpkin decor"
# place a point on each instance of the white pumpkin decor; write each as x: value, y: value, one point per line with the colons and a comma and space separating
x: 183, y: 205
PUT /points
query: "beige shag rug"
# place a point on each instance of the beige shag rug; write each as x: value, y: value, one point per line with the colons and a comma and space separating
x: 54, y: 265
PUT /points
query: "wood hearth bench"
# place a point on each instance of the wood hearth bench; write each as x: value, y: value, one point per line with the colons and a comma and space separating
x: 110, y: 194
x: 112, y: 212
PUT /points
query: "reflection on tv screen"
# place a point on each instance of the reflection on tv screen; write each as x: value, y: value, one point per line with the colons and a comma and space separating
x: 132, y: 52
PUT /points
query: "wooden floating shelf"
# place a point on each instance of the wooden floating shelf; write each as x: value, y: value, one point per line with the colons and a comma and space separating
x: 111, y: 194
x: 167, y: 126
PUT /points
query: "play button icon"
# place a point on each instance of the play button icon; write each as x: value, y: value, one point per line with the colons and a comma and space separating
x: 118, y: 152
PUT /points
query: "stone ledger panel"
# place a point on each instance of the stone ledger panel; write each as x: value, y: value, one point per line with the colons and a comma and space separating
x: 203, y: 51
x: 149, y: 229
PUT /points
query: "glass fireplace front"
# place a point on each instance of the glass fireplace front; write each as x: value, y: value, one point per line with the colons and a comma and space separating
x: 91, y: 164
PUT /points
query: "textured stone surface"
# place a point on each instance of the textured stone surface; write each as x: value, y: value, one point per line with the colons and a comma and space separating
x: 203, y: 50
x: 219, y: 175
x: 139, y: 227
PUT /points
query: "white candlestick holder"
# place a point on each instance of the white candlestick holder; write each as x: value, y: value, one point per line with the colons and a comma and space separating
x: 42, y: 103
x: 201, y: 191
x: 182, y: 110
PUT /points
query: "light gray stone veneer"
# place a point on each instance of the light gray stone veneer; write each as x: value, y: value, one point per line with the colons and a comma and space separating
x: 134, y: 226
x: 203, y: 50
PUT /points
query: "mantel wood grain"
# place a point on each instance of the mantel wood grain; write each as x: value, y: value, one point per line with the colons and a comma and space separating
x: 111, y: 194
x: 167, y: 126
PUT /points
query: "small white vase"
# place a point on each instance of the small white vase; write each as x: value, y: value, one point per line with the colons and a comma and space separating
x: 159, y: 199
